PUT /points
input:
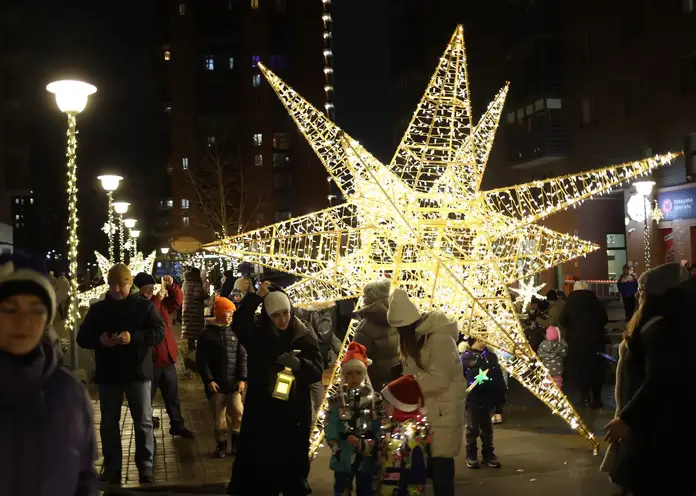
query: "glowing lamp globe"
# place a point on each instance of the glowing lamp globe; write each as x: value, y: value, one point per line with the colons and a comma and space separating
x: 644, y: 188
x: 129, y: 223
x: 164, y: 250
x: 71, y: 96
x: 121, y: 207
x: 110, y: 182
x: 135, y: 233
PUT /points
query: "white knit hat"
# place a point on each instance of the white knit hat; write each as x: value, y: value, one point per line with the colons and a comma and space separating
x: 275, y: 301
x: 580, y: 286
x: 402, y: 311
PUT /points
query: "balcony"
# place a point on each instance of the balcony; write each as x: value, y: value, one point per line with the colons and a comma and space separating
x: 534, y: 136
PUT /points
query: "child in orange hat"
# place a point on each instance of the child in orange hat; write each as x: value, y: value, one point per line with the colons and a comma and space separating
x: 222, y: 364
x: 353, y: 427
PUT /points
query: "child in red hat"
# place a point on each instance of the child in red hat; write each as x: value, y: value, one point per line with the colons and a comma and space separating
x: 404, y: 449
x: 353, y: 427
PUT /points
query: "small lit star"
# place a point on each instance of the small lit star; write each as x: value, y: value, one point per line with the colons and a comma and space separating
x: 526, y: 292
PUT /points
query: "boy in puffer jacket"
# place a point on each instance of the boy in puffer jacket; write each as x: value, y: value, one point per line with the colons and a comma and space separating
x: 552, y: 351
x: 486, y: 396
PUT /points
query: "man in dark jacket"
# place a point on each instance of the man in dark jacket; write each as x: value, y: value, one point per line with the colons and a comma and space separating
x: 222, y: 365
x: 164, y: 355
x: 122, y: 329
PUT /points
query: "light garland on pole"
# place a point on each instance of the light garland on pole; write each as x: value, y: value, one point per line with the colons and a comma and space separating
x: 328, y: 58
x: 110, y: 184
x: 121, y: 209
x: 424, y: 221
x: 71, y: 98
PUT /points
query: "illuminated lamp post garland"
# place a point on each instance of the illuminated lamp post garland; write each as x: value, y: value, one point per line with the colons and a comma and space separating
x: 424, y: 221
x: 135, y: 234
x: 121, y: 209
x: 130, y: 225
x: 110, y: 184
x: 71, y: 98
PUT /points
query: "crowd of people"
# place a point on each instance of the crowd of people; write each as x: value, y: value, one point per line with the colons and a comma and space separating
x: 413, y: 391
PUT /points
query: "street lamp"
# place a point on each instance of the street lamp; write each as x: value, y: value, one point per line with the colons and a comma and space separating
x: 164, y: 250
x: 71, y: 98
x: 135, y: 234
x: 130, y: 223
x: 644, y: 190
x: 121, y: 209
x: 110, y: 184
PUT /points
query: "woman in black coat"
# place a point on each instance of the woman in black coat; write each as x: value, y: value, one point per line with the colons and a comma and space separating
x: 652, y: 445
x: 273, y: 451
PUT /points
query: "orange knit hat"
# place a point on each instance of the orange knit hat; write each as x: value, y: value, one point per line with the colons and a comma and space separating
x: 222, y: 305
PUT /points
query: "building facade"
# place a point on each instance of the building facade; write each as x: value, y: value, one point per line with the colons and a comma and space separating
x: 232, y: 155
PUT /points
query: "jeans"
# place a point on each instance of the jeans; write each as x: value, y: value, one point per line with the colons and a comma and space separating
x: 343, y: 484
x: 227, y: 411
x: 442, y: 472
x: 140, y: 405
x: 478, y: 424
x: 167, y: 381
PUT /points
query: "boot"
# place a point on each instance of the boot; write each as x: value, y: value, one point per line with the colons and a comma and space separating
x: 221, y: 449
x: 233, y: 444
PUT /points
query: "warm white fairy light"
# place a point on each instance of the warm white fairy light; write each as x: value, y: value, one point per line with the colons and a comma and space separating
x: 424, y: 221
x: 526, y: 291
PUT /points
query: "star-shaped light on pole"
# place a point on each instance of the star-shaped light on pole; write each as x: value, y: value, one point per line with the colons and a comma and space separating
x: 424, y: 221
x: 526, y: 291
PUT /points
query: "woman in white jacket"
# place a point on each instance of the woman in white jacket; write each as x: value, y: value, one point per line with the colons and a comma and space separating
x: 429, y: 350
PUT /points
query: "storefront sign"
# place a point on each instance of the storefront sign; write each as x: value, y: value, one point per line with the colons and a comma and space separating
x: 678, y: 204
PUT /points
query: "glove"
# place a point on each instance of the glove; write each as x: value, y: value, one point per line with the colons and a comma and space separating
x: 290, y: 361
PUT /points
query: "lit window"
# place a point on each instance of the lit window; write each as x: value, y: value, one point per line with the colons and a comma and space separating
x: 281, y: 141
x: 229, y: 5
x: 185, y: 221
x: 167, y: 55
x: 209, y: 63
x: 258, y: 139
x: 169, y: 169
x: 182, y: 8
x: 17, y: 217
x: 31, y: 201
x: 17, y: 201
x: 184, y: 203
x: 231, y: 63
x: 256, y: 80
x: 167, y: 108
x: 258, y: 160
x: 184, y: 163
x: 255, y: 59
x: 170, y: 203
x: 211, y: 140
x: 254, y: 4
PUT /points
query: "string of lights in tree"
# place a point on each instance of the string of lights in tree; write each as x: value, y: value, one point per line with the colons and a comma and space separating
x: 423, y: 221
x: 73, y: 240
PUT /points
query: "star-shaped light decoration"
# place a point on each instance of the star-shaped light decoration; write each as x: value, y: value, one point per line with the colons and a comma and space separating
x: 480, y: 378
x: 424, y: 221
x: 137, y: 264
x: 656, y: 213
x: 526, y: 291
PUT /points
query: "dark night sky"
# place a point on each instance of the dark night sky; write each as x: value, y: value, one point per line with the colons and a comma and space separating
x: 112, y: 45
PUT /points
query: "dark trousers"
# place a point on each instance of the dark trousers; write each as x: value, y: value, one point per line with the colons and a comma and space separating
x: 167, y: 381
x: 442, y: 473
x: 479, y: 425
x: 586, y: 372
x: 629, y: 303
x: 140, y: 405
x: 343, y: 484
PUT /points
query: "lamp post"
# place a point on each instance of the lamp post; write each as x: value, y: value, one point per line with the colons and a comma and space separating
x: 644, y: 190
x: 135, y: 234
x: 121, y: 209
x: 71, y: 98
x: 164, y: 250
x: 130, y: 225
x: 110, y: 184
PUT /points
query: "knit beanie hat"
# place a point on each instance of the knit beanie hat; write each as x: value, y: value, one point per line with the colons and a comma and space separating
x: 20, y: 274
x: 659, y: 280
x: 221, y: 306
x: 405, y: 395
x: 580, y: 286
x: 143, y: 279
x: 275, y: 301
x: 120, y: 274
x: 402, y: 311
x: 355, y: 358
x: 552, y: 333
x: 376, y: 290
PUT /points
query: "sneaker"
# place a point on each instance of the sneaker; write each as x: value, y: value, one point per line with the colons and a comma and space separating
x: 146, y: 477
x: 497, y: 419
x: 472, y: 463
x: 221, y: 449
x: 492, y: 461
x: 181, y: 432
x: 111, y: 479
x: 155, y: 422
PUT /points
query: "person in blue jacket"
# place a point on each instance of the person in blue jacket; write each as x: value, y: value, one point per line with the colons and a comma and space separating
x: 628, y: 287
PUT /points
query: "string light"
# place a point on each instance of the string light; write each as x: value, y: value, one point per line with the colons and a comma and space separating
x: 526, y: 292
x: 328, y: 58
x: 71, y: 319
x: 423, y: 221
x: 110, y: 197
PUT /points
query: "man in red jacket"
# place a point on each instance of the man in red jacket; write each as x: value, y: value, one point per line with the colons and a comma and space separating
x: 167, y: 301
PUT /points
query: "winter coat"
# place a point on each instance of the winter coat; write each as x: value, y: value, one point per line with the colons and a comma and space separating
x: 553, y: 314
x: 653, y: 392
x: 166, y: 352
x: 132, y: 362
x: 490, y: 394
x: 552, y: 354
x: 273, y: 451
x: 441, y: 381
x: 220, y: 358
x: 47, y: 438
x: 323, y: 322
x: 584, y: 318
x: 192, y: 319
x: 381, y: 341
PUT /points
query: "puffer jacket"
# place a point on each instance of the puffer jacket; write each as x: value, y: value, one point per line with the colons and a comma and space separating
x: 380, y: 339
x: 442, y: 382
x: 221, y: 358
x: 192, y: 319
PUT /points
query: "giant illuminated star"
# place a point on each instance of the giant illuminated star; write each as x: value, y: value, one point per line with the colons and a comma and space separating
x: 424, y: 221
